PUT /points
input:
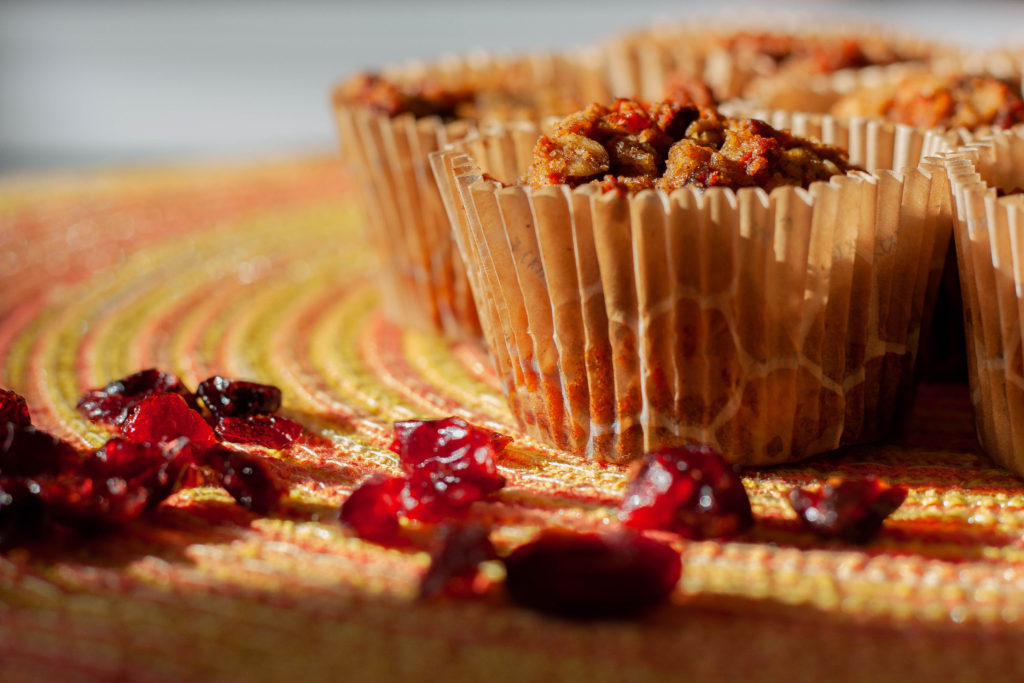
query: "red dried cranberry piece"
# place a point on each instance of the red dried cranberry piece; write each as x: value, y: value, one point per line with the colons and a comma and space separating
x: 245, y: 478
x: 450, y: 460
x: 27, y: 452
x: 22, y: 513
x: 427, y: 498
x: 166, y: 417
x: 93, y: 504
x: 691, y: 491
x: 456, y: 559
x: 591, y: 576
x: 235, y: 398
x: 269, y: 431
x: 120, y: 457
x: 849, y: 510
x: 371, y: 510
x: 155, y: 467
x: 113, y: 403
x: 13, y: 408
x: 419, y: 441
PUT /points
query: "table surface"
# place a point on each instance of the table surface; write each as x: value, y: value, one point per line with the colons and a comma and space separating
x: 261, y: 273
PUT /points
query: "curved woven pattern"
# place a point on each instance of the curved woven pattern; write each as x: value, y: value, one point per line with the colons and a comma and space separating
x: 260, y: 273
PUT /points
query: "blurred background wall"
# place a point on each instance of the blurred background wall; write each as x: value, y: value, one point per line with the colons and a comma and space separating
x: 87, y: 82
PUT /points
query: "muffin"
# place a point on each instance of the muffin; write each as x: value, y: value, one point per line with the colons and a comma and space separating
x: 987, y: 181
x: 972, y: 97
x: 932, y: 100
x: 964, y: 91
x: 389, y: 123
x: 772, y: 324
x: 735, y: 62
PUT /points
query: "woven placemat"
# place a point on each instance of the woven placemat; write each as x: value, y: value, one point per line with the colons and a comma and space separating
x: 261, y: 273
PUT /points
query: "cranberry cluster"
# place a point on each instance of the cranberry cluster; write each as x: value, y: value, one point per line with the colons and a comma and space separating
x: 166, y: 433
x: 238, y: 412
x: 449, y: 465
x: 691, y: 491
x: 694, y: 492
x: 160, y: 410
x: 162, y: 438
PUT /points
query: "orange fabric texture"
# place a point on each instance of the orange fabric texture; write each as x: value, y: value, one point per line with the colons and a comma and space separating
x: 261, y: 273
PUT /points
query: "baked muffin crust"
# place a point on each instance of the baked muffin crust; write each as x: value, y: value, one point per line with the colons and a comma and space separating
x: 631, y: 147
x: 813, y: 54
x: 421, y: 99
x: 933, y: 100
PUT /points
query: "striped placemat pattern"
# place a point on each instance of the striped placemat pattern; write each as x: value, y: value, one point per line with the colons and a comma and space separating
x: 261, y: 273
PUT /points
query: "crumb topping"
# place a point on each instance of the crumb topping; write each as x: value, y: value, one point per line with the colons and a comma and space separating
x: 421, y: 99
x: 931, y: 100
x: 630, y: 147
x: 814, y: 54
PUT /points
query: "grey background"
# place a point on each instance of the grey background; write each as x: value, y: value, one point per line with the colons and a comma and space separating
x: 91, y: 82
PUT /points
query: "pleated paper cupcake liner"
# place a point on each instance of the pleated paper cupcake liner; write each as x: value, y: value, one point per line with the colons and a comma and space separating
x: 641, y: 64
x: 943, y: 352
x: 772, y: 326
x: 423, y: 280
x: 989, y: 236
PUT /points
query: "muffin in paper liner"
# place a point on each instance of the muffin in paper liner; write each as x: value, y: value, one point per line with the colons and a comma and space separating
x: 944, y: 357
x: 422, y: 278
x: 772, y: 326
x: 724, y: 52
x: 829, y: 93
x: 989, y: 237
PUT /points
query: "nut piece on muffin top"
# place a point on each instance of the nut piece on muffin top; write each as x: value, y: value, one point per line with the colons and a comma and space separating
x: 630, y: 146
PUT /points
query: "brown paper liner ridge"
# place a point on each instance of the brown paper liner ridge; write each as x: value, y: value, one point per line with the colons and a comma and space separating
x: 770, y: 326
x: 989, y: 237
x: 503, y: 317
x: 423, y: 284
x: 481, y: 275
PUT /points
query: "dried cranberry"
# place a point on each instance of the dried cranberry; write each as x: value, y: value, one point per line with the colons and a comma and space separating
x: 166, y: 417
x: 156, y: 467
x: 113, y: 403
x: 691, y: 491
x: 591, y: 576
x: 849, y: 510
x: 455, y: 561
x: 628, y: 117
x: 235, y: 398
x: 269, y: 431
x: 245, y: 478
x: 371, y: 510
x: 27, y: 452
x: 22, y: 513
x: 13, y: 408
x: 93, y: 503
x: 419, y: 441
x: 427, y: 499
x: 449, y: 461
